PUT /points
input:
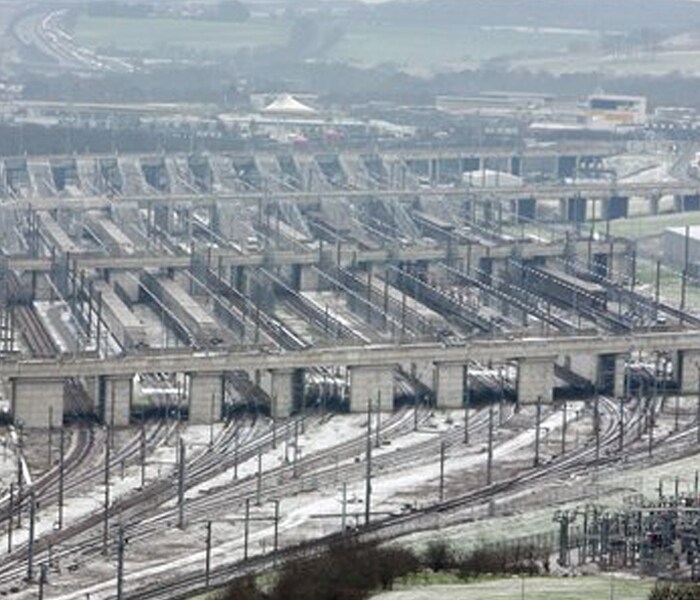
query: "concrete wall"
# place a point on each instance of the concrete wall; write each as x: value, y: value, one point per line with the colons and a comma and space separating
x: 308, y: 278
x: 449, y: 383
x: 206, y: 392
x: 620, y: 373
x: 690, y: 378
x: 535, y: 379
x: 367, y: 384
x: 31, y: 400
x: 281, y: 392
x: 116, y: 403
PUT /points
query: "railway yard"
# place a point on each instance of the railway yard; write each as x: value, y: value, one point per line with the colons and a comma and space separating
x: 213, y: 363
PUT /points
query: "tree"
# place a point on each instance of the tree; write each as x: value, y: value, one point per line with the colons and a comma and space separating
x: 232, y: 10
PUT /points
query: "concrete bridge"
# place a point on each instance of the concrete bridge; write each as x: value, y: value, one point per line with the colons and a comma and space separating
x: 37, y: 384
x: 564, y: 202
x: 343, y: 254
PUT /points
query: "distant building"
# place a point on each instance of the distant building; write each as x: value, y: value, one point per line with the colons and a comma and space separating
x: 495, y: 104
x: 611, y: 112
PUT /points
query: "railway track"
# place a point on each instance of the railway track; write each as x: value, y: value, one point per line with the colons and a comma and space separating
x: 394, y: 526
x: 313, y: 464
x: 34, y: 332
x: 81, y: 466
x: 138, y: 507
x: 320, y: 467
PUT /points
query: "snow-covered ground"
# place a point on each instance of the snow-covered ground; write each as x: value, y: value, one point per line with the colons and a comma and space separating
x: 406, y: 472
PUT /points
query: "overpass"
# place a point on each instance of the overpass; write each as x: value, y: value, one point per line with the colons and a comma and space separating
x: 586, y: 190
x: 415, y: 151
x: 37, y: 384
x: 344, y: 254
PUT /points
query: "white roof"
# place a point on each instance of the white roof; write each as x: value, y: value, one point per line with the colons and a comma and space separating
x: 287, y: 104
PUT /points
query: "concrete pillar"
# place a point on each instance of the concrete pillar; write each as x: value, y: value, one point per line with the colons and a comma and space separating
x: 654, y: 201
x: 366, y: 383
x: 619, y: 384
x: 282, y: 393
x: 449, y: 385
x: 689, y: 376
x: 32, y: 398
x: 308, y: 279
x: 535, y: 379
x: 118, y: 394
x: 206, y: 393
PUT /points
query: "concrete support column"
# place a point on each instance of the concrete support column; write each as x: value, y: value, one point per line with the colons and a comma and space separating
x: 654, y: 201
x: 367, y: 383
x: 206, y: 393
x: 308, y: 278
x: 282, y: 392
x: 689, y: 376
x: 620, y: 371
x: 449, y: 385
x: 535, y: 379
x: 31, y: 400
x: 118, y: 394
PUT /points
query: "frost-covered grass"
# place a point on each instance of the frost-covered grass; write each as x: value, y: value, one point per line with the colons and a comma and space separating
x: 581, y: 588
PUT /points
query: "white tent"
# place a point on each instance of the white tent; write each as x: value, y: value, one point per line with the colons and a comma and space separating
x: 288, y: 105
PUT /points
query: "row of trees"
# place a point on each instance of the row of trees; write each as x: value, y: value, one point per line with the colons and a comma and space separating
x: 676, y: 591
x: 352, y: 571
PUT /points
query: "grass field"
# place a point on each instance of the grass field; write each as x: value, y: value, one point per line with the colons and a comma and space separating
x: 581, y: 588
x: 430, y: 45
x: 155, y: 35
x: 362, y: 44
x: 641, y: 227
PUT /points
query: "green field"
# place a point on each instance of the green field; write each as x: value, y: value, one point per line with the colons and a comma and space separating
x: 157, y: 35
x: 641, y: 227
x: 430, y: 45
x: 362, y: 44
x: 581, y: 588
